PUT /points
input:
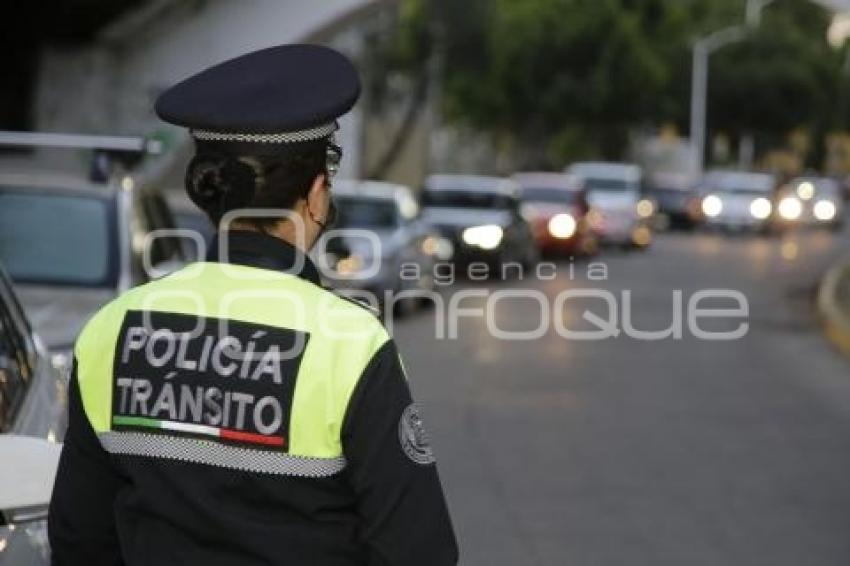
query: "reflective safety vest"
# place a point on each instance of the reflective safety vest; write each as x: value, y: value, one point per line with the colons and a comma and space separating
x: 263, y: 362
x: 239, y: 413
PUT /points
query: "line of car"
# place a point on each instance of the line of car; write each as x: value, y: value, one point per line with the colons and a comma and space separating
x: 486, y: 220
x: 733, y: 200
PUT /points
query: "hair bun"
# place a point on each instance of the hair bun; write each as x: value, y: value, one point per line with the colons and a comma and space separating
x: 219, y: 183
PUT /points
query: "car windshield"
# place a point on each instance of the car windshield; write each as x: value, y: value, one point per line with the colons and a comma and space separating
x: 53, y: 239
x: 464, y: 199
x: 608, y: 185
x: 739, y: 183
x: 366, y: 213
x: 550, y: 195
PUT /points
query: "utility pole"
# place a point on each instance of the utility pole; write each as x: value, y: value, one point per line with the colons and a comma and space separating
x: 754, y: 8
x: 702, y: 50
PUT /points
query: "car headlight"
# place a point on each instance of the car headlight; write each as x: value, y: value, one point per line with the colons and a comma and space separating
x: 824, y: 210
x: 438, y: 247
x: 645, y: 208
x: 806, y: 190
x: 349, y: 265
x: 487, y: 237
x: 712, y: 206
x: 562, y: 226
x: 760, y: 208
x: 790, y: 208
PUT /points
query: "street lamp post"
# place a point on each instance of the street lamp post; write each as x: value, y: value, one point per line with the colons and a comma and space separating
x: 702, y: 50
x: 754, y: 8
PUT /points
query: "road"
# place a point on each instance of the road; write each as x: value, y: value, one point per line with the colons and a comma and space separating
x: 666, y: 452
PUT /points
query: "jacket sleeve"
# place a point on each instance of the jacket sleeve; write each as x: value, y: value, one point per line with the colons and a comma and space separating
x: 405, y: 520
x: 81, y: 523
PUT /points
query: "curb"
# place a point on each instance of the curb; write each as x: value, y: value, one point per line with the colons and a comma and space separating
x: 834, y: 318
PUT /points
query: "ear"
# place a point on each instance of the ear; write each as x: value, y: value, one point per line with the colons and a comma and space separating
x: 316, y: 196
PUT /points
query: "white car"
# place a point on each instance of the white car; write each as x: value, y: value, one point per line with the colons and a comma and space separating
x: 383, y: 235
x: 71, y: 243
x: 619, y: 214
x: 809, y: 201
x: 71, y: 246
x: 737, y: 200
x: 33, y: 417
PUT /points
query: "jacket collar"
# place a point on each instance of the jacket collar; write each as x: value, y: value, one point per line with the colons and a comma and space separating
x: 255, y: 249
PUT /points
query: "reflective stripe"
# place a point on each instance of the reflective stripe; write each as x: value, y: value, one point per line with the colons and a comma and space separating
x: 321, y: 131
x: 216, y: 454
x: 343, y: 339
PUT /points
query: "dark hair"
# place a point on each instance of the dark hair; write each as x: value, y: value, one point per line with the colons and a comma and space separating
x: 219, y: 180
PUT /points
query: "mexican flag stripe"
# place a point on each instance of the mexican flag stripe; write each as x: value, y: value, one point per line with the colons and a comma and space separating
x: 199, y: 429
x: 136, y: 421
x: 251, y: 437
x: 189, y: 427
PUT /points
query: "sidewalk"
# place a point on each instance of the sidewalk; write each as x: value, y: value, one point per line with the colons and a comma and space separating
x: 834, y: 305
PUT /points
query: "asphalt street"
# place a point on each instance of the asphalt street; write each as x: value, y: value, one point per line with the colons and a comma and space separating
x: 626, y: 451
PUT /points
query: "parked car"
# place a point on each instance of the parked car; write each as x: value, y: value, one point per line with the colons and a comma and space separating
x: 481, y: 217
x: 187, y: 216
x: 619, y: 214
x: 33, y: 418
x: 394, y: 244
x: 676, y: 199
x: 555, y: 205
x: 71, y: 246
x: 737, y: 200
x: 809, y: 201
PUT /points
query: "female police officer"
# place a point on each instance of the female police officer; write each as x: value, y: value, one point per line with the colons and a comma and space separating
x: 236, y: 412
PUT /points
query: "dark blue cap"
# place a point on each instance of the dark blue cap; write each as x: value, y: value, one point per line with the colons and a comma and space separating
x: 280, y: 95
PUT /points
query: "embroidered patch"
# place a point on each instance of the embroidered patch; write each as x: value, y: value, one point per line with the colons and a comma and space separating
x: 220, y: 379
x: 414, y: 440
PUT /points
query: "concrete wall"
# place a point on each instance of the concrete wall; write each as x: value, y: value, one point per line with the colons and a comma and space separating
x: 109, y: 86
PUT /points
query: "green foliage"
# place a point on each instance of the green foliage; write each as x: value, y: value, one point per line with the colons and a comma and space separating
x: 543, y: 67
x: 567, y: 78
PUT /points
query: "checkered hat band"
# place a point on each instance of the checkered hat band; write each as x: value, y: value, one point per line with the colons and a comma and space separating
x: 311, y: 134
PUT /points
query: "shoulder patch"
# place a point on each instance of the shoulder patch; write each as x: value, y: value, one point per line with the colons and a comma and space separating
x: 413, y: 438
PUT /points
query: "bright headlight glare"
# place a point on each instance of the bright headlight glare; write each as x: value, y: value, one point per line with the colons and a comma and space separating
x: 790, y: 208
x: 349, y: 265
x: 805, y: 190
x: 824, y: 210
x: 645, y: 208
x: 712, y: 206
x: 562, y: 226
x: 487, y: 237
x: 760, y: 208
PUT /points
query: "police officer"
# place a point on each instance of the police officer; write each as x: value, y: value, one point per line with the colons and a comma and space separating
x: 236, y: 412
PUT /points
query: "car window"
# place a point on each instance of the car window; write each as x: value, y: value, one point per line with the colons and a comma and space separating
x: 157, y: 216
x: 14, y: 369
x: 550, y: 195
x: 367, y: 213
x: 609, y: 185
x: 739, y: 182
x: 463, y: 199
x: 57, y: 239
